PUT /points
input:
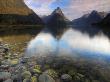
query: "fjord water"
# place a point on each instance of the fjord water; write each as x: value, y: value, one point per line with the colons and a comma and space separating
x: 71, y: 42
x: 76, y: 49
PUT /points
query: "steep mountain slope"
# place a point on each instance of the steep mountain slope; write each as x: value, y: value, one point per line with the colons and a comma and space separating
x: 14, y: 7
x: 15, y: 12
x: 57, y: 22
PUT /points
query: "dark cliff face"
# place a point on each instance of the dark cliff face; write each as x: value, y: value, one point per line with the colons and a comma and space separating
x: 106, y: 21
x: 16, y: 12
x: 57, y: 22
x: 104, y: 24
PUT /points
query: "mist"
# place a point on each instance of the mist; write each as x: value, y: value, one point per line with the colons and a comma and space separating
x: 71, y: 42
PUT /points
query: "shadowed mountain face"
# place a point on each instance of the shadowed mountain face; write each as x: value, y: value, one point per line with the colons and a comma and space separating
x: 16, y: 12
x: 16, y: 19
x: 85, y: 23
x: 89, y: 19
x: 105, y: 25
x: 57, y: 22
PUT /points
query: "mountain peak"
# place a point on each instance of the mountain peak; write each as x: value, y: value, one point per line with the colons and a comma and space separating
x: 95, y: 13
x: 58, y: 11
x: 57, y: 22
x: 58, y: 8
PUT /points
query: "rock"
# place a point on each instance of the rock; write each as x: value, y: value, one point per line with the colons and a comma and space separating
x: 45, y: 78
x: 87, y: 80
x: 24, y: 60
x: 4, y: 67
x: 14, y: 62
x: 80, y: 75
x: 34, y: 79
x: 5, y: 75
x: 66, y: 78
x: 9, y: 80
x: 37, y: 69
x: 26, y: 74
x: 6, y: 62
x: 51, y: 73
x: 4, y: 48
x: 26, y: 80
x: 95, y: 81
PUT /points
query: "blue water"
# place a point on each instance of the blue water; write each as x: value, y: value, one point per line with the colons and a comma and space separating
x: 46, y: 44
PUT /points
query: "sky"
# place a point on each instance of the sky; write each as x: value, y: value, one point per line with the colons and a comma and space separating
x: 72, y: 8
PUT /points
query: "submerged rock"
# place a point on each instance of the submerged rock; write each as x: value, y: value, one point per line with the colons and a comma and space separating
x: 45, y: 78
x: 5, y: 75
x: 66, y: 78
x: 8, y: 80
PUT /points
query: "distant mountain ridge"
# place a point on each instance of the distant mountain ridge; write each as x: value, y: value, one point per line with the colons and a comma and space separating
x: 87, y: 21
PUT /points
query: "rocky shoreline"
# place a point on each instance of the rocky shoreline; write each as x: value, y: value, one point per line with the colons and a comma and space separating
x: 16, y: 68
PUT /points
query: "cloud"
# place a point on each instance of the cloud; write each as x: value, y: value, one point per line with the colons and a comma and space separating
x: 41, y: 7
x: 74, y: 8
x: 80, y: 7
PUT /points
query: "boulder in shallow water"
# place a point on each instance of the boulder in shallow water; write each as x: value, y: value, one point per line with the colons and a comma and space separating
x: 8, y: 80
x: 26, y: 74
x: 45, y: 78
x: 66, y: 78
x: 51, y: 73
x: 5, y: 75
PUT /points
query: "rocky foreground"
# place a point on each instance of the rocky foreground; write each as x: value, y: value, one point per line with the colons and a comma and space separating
x: 16, y: 68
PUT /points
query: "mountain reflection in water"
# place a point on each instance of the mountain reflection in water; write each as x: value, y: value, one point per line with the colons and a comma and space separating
x: 72, y: 41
